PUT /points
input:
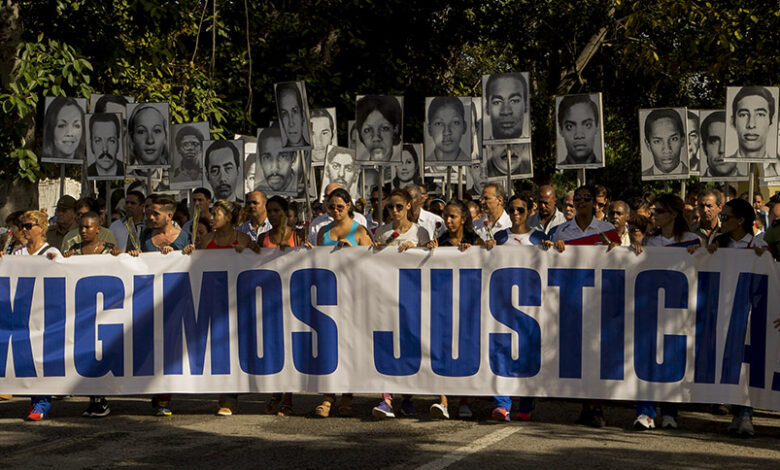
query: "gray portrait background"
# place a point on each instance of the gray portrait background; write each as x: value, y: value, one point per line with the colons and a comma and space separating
x: 647, y: 156
x: 305, y: 126
x: 524, y: 150
x: 132, y: 162
x: 598, y: 141
x: 77, y: 159
x: 334, y: 139
x: 487, y: 130
x: 120, y: 151
x: 465, y: 140
x: 354, y: 190
x: 362, y: 150
x: 182, y: 182
x: 238, y: 190
x: 732, y: 141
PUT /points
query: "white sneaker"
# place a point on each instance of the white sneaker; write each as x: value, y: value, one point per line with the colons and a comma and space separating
x: 669, y: 422
x: 464, y: 412
x: 439, y: 411
x: 746, y: 427
x: 644, y: 422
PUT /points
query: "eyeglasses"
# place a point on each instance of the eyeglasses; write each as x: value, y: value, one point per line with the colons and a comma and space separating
x: 617, y: 213
x: 28, y: 226
x: 396, y: 207
x: 339, y: 207
x: 583, y: 197
x: 725, y: 217
x: 519, y: 210
x: 658, y: 211
x: 601, y: 204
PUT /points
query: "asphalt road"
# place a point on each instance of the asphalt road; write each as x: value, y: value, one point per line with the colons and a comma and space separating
x: 131, y: 437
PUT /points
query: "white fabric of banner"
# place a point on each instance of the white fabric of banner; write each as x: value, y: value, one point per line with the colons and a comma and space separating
x: 663, y: 325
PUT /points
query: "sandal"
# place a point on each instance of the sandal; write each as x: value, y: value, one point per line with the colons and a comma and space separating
x: 285, y: 410
x: 323, y: 410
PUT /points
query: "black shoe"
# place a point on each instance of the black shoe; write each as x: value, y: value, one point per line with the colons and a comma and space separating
x: 597, y: 418
x: 98, y: 408
x: 585, y: 416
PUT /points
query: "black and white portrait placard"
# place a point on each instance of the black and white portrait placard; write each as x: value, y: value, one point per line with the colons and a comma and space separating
x: 223, y: 169
x: 341, y: 168
x: 110, y: 104
x: 476, y: 129
x: 507, y: 117
x: 147, y: 131
x: 352, y: 134
x: 693, y: 140
x: 323, y: 133
x: 64, y: 135
x: 580, y: 131
x: 379, y: 123
x: 770, y: 174
x: 662, y: 133
x: 712, y: 136
x: 409, y: 171
x: 447, y: 135
x: 293, y: 108
x: 105, y: 152
x: 278, y: 169
x: 751, y: 134
x: 514, y: 159
x: 187, y: 154
x: 476, y: 178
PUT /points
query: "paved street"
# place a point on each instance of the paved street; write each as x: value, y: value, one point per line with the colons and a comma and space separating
x: 196, y: 438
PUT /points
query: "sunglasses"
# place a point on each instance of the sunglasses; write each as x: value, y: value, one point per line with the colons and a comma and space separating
x: 340, y: 207
x: 725, y: 217
x: 658, y: 212
x: 601, y: 204
x: 396, y: 207
x: 583, y: 197
x: 519, y: 210
x: 28, y: 226
x: 617, y: 213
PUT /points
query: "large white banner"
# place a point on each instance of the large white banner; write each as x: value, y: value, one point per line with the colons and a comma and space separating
x: 664, y: 325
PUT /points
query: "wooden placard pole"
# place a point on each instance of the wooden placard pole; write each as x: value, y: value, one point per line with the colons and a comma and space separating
x: 381, y: 180
x: 581, y: 181
x: 509, y: 189
x: 751, y: 182
x: 62, y: 180
x: 460, y: 182
x: 305, y: 169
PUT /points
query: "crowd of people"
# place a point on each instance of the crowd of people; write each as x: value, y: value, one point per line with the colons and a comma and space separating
x: 411, y: 218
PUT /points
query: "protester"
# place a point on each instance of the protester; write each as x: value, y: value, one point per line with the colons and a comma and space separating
x: 431, y: 222
x: 343, y: 231
x: 84, y: 205
x: 91, y: 244
x: 547, y: 216
x: 585, y: 229
x: 257, y: 223
x: 710, y: 203
x: 518, y: 234
x: 161, y: 236
x: 34, y: 225
x: 134, y: 210
x: 66, y: 221
x: 326, y: 218
x: 201, y: 201
x: 14, y: 238
x: 601, y: 201
x: 495, y: 219
x: 618, y: 213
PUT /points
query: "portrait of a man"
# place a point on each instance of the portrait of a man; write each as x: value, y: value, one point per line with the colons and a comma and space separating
x: 506, y: 117
x: 223, y: 168
x: 341, y: 168
x: 63, y: 130
x: 110, y: 104
x: 187, y: 153
x: 379, y: 123
x: 580, y: 129
x: 277, y: 170
x: 147, y: 129
x: 323, y: 133
x: 664, y: 150
x: 104, y: 147
x: 448, y: 131
x: 514, y: 159
x: 293, y: 109
x: 713, y: 145
x: 751, y: 134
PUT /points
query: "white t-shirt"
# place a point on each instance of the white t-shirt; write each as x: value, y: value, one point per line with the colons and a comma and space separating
x: 43, y: 250
x: 533, y: 237
x: 572, y: 233
x: 415, y: 234
x: 748, y: 241
x: 481, y: 226
x: 687, y: 239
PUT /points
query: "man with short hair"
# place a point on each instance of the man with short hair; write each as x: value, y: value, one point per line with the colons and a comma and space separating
x: 710, y: 204
x: 134, y: 217
x: 547, y: 215
x: 341, y: 169
x: 222, y: 171
x: 258, y: 222
x: 104, y: 141
x: 496, y: 218
x: 84, y: 205
x: 431, y: 222
x: 619, y: 212
x: 66, y: 222
x: 275, y: 162
x: 500, y: 163
x: 325, y: 219
x: 201, y: 200
x: 752, y: 115
x: 578, y: 121
x: 506, y: 105
x: 189, y: 141
x: 713, y: 133
x: 664, y: 138
x: 568, y: 206
x: 322, y: 132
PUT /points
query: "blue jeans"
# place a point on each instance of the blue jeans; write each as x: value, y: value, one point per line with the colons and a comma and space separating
x: 524, y: 404
x: 43, y: 403
x: 648, y: 408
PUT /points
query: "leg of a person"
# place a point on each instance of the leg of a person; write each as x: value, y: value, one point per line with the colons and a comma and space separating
x: 670, y: 409
x: 646, y: 408
x: 525, y: 405
x: 502, y: 402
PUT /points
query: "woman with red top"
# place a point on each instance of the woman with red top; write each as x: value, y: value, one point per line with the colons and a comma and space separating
x: 224, y: 235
